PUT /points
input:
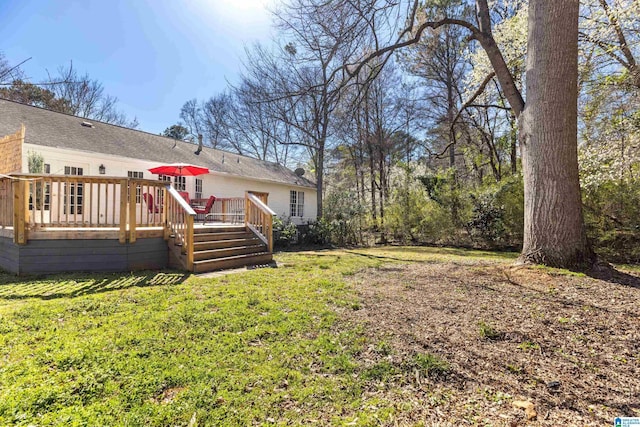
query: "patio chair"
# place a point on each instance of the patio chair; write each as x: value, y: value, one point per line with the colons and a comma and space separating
x: 153, y: 208
x: 185, y: 196
x: 206, y: 209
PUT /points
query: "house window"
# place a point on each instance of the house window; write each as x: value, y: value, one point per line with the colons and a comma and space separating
x: 47, y: 196
x: 180, y: 183
x: 73, y: 192
x: 42, y: 191
x: 296, y: 203
x: 198, y: 194
x: 160, y: 191
x: 137, y: 175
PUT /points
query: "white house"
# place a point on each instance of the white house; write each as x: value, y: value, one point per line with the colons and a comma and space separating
x: 71, y: 145
x: 88, y: 205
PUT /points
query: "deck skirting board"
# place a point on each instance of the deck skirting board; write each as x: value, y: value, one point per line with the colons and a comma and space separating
x: 83, y: 255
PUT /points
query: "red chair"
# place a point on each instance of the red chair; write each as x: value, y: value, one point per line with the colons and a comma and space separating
x: 206, y: 209
x: 153, y: 208
x: 185, y: 196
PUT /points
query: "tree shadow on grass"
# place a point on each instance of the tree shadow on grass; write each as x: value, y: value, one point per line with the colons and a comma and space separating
x: 434, y: 252
x: 77, y: 284
x: 609, y: 273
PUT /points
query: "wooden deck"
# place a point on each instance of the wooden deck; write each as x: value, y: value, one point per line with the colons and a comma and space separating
x: 78, y: 215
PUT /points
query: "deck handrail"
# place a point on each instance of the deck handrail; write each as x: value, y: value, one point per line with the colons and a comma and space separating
x: 259, y: 218
x: 6, y: 202
x: 179, y: 222
x: 224, y: 209
x: 41, y: 201
x: 33, y: 202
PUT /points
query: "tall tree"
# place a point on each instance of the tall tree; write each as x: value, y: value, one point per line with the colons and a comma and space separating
x: 191, y: 116
x: 85, y: 97
x: 176, y: 131
x: 554, y: 226
x: 67, y: 92
x: 8, y: 71
x: 612, y: 27
x: 439, y: 59
x: 31, y: 94
x: 215, y: 113
x: 554, y: 232
x: 303, y: 79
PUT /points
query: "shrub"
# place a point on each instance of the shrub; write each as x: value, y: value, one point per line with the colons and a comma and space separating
x: 612, y: 218
x: 486, y: 222
x: 343, y: 219
x: 317, y: 233
x: 405, y: 214
x: 284, y: 232
x: 498, y: 213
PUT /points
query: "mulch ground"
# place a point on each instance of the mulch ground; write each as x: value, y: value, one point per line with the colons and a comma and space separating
x: 567, y: 346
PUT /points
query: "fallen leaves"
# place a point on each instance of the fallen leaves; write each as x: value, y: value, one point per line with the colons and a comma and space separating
x: 563, y: 367
x: 529, y: 408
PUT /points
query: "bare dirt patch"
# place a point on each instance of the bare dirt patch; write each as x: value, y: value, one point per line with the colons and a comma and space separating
x: 569, y: 345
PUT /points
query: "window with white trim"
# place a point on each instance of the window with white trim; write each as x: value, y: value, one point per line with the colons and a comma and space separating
x: 180, y: 183
x: 296, y: 203
x: 42, y: 192
x: 198, y: 192
x: 160, y: 191
x: 73, y: 192
x: 137, y: 175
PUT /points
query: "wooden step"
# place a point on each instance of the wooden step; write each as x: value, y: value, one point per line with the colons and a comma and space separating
x: 232, y: 262
x: 226, y: 243
x: 227, y: 252
x: 219, y: 229
x: 226, y: 235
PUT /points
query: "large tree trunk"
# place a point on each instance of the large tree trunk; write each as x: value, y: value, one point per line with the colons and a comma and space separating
x: 320, y: 179
x: 554, y: 231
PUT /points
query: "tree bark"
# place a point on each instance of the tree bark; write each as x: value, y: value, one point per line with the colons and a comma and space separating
x: 514, y: 145
x: 554, y: 231
x: 320, y: 182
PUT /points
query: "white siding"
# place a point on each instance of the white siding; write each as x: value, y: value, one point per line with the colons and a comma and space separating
x: 220, y: 185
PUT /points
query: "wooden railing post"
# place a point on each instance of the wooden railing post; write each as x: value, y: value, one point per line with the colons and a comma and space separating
x: 123, y: 211
x: 259, y: 219
x: 190, y: 239
x: 224, y: 211
x: 269, y: 232
x: 20, y: 211
x: 247, y: 206
x: 165, y: 204
x: 132, y: 210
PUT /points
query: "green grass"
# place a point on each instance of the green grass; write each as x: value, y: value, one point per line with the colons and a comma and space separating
x: 488, y: 331
x: 261, y: 347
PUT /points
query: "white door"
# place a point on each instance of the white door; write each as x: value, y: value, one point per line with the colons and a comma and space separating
x: 73, y: 196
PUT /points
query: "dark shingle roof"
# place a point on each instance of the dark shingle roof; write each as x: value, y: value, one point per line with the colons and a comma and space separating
x: 52, y: 129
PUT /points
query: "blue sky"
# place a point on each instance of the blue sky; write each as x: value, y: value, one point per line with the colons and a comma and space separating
x: 152, y: 54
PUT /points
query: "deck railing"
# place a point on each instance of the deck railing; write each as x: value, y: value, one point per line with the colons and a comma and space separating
x: 259, y: 218
x: 180, y: 218
x: 41, y: 203
x: 6, y: 203
x: 229, y: 210
x: 92, y: 202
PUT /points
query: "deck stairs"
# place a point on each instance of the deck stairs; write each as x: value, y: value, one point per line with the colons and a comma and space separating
x: 221, y: 247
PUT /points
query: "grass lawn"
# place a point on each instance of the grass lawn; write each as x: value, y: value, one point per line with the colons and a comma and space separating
x: 322, y: 340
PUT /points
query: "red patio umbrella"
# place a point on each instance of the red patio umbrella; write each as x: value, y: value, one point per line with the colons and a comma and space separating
x: 179, y: 169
